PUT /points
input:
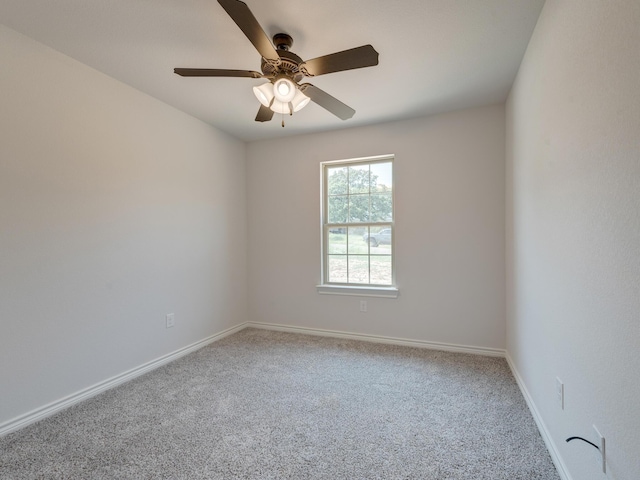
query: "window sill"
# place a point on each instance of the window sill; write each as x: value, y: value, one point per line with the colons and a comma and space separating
x: 385, y: 292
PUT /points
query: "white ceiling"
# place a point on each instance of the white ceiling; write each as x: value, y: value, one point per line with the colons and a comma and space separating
x: 435, y: 55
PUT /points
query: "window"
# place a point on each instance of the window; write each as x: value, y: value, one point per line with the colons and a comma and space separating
x: 357, y: 221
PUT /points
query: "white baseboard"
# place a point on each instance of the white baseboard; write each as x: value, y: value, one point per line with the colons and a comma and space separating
x: 54, y: 407
x: 546, y: 436
x: 491, y: 352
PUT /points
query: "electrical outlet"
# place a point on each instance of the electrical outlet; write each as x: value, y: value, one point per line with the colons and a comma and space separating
x: 171, y: 320
x: 601, y: 454
x: 363, y: 305
x: 560, y: 392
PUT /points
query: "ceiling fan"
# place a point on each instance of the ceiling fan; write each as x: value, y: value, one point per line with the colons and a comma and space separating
x: 284, y: 69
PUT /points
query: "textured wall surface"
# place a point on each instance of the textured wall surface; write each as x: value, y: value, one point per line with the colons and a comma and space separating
x: 115, y: 210
x: 449, y: 237
x: 573, y: 228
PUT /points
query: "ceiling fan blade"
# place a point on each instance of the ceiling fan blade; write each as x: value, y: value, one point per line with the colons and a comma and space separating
x: 215, y: 72
x: 240, y: 13
x: 264, y: 114
x: 327, y: 102
x: 358, y: 57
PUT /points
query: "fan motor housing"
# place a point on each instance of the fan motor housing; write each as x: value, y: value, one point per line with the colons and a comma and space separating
x: 289, y: 61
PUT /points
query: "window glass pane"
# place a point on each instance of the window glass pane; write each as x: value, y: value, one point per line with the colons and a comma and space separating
x: 357, y: 240
x: 381, y: 270
x: 337, y: 181
x: 358, y: 208
x: 338, y: 209
x: 380, y: 240
x: 337, y: 268
x: 381, y: 207
x: 358, y: 269
x: 337, y: 240
x: 381, y: 177
x: 359, y: 179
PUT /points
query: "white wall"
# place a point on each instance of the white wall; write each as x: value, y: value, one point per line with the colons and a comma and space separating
x: 115, y: 209
x: 449, y: 178
x: 573, y: 228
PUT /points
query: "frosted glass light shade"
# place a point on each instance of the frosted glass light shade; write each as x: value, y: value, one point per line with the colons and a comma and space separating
x: 299, y: 101
x: 281, y: 107
x: 264, y: 93
x: 284, y: 90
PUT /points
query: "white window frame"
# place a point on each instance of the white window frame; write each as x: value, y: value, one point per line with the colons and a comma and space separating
x: 366, y: 290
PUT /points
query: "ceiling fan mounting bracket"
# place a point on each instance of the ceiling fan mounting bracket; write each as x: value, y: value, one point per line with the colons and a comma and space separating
x: 282, y: 41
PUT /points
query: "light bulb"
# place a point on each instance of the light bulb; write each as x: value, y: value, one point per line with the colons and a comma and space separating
x: 284, y: 90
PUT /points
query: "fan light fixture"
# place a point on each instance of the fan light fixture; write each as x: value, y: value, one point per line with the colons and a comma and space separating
x: 283, y: 96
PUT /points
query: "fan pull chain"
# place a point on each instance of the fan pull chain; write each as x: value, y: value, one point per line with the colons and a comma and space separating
x: 290, y: 113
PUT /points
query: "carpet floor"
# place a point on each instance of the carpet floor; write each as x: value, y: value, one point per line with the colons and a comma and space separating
x: 270, y: 405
